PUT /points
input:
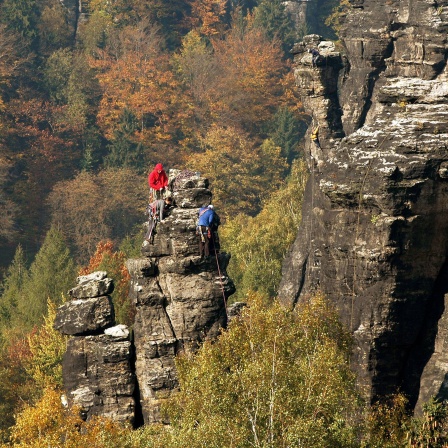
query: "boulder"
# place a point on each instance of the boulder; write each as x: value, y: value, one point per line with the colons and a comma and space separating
x: 87, y: 316
x: 94, y: 285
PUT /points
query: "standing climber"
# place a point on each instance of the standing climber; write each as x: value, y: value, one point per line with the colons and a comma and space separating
x: 157, y: 180
x: 205, y: 221
x: 314, y: 56
x: 314, y: 137
x: 156, y: 211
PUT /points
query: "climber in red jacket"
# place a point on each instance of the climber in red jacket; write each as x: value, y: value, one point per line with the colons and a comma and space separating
x: 157, y: 181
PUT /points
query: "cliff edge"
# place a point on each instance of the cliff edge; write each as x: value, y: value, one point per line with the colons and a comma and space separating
x: 374, y: 232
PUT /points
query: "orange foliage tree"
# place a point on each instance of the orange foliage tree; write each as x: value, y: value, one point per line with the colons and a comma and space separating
x: 135, y: 75
x: 250, y: 72
x: 208, y: 16
x: 107, y: 259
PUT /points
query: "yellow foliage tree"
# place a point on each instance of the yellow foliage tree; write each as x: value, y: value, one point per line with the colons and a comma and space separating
x: 49, y: 424
x: 258, y: 244
x: 241, y: 173
x: 47, y: 347
x: 275, y: 378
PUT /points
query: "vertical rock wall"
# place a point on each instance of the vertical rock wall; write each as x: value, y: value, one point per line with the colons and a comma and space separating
x: 374, y: 236
x: 180, y: 298
x: 97, y: 366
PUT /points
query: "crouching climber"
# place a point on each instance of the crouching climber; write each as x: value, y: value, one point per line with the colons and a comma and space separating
x: 315, y: 56
x: 156, y: 211
x: 314, y: 137
x: 204, y: 229
x: 158, y: 181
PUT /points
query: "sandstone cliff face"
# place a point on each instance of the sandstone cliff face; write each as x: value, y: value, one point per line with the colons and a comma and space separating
x: 97, y: 366
x: 374, y: 236
x: 180, y: 301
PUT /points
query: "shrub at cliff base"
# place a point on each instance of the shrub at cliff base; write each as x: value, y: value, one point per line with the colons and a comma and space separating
x: 275, y: 378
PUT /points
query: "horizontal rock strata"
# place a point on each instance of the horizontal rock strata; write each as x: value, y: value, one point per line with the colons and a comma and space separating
x: 97, y: 366
x: 180, y: 301
x: 374, y: 235
x: 180, y: 298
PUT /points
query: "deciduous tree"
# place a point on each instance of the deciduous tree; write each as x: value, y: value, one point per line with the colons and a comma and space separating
x: 208, y: 16
x: 250, y: 87
x: 95, y: 207
x: 136, y: 75
x: 241, y: 173
x: 275, y: 378
x: 258, y: 245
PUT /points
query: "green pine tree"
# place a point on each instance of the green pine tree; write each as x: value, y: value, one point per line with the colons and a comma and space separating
x: 286, y: 132
x: 274, y: 19
x: 51, y: 275
x: 12, y: 286
x: 92, y: 149
x: 21, y: 17
x: 123, y: 151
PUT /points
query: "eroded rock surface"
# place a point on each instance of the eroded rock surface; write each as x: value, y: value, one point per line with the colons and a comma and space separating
x: 180, y: 298
x: 98, y: 376
x: 374, y: 235
x: 180, y: 301
x: 97, y: 367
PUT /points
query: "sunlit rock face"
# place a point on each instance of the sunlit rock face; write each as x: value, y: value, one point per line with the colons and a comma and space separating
x: 180, y: 299
x: 97, y: 367
x: 374, y: 235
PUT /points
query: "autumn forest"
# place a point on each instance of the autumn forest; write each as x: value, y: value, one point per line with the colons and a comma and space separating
x: 92, y: 95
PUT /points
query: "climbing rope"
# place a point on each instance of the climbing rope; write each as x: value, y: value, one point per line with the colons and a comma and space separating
x: 220, y: 275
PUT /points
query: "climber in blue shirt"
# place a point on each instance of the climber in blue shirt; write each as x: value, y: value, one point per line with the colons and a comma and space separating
x: 204, y: 229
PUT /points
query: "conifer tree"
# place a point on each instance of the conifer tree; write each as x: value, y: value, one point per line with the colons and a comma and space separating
x: 273, y: 18
x: 286, y: 132
x: 16, y: 276
x: 125, y: 153
x: 52, y: 274
x: 21, y: 16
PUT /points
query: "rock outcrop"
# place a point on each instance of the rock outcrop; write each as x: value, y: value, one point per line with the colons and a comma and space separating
x: 180, y: 301
x: 97, y: 366
x: 180, y: 298
x: 374, y: 235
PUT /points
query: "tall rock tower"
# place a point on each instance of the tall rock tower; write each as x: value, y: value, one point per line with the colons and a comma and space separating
x: 374, y: 235
x: 180, y: 298
x: 180, y: 301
